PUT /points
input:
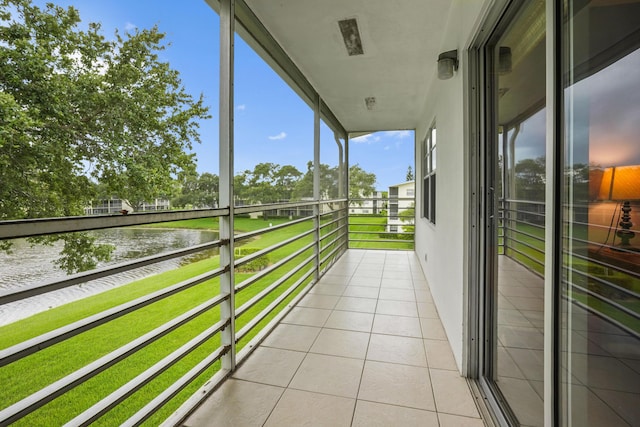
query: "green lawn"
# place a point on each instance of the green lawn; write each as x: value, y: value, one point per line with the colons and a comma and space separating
x: 532, y: 248
x: 28, y: 375
x: 362, y: 227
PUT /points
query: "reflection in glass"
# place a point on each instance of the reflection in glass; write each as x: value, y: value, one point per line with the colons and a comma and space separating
x: 601, y: 255
x: 519, y: 69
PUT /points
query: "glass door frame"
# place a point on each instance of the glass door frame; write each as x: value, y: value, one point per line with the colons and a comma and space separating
x: 481, y: 333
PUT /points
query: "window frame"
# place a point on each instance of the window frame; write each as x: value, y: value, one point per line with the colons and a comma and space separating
x: 429, y: 158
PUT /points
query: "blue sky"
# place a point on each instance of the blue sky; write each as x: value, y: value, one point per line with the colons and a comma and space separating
x: 272, y: 124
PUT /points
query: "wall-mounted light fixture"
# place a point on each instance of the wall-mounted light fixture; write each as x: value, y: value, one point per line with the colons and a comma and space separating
x: 447, y: 64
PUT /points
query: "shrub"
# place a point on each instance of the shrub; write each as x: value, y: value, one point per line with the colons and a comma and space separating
x: 257, y: 264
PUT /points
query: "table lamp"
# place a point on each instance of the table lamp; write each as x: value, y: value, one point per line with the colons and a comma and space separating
x: 622, y: 184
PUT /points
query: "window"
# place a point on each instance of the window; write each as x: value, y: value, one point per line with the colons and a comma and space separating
x: 429, y: 175
x: 410, y: 192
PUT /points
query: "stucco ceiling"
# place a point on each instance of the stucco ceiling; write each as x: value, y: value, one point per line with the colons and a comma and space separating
x: 401, y: 42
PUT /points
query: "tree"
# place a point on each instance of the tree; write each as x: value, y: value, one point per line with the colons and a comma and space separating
x: 530, y: 179
x: 267, y: 183
x: 328, y: 183
x: 197, y: 191
x: 410, y: 176
x: 78, y: 109
x: 361, y: 183
x: 407, y: 216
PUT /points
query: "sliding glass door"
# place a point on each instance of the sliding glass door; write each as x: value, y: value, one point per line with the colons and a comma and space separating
x: 600, y: 289
x: 515, y: 182
x: 591, y: 304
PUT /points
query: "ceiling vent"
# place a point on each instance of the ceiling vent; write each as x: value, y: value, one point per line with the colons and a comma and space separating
x: 351, y: 36
x: 370, y: 102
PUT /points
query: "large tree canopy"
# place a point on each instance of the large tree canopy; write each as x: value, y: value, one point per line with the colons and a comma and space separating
x: 197, y: 191
x: 361, y: 182
x: 77, y: 108
x: 267, y: 183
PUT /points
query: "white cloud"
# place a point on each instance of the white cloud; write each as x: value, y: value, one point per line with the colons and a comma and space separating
x: 130, y: 26
x: 400, y: 134
x: 365, y: 139
x: 241, y: 107
x: 387, y: 148
x: 281, y: 135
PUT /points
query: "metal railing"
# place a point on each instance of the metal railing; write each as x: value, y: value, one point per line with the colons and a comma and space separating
x: 589, y: 277
x: 379, y: 223
x: 313, y: 243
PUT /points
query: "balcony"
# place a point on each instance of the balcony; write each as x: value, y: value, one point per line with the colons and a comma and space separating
x: 363, y: 342
x: 364, y: 347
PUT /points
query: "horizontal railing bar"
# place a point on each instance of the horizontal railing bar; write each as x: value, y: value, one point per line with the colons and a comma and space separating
x: 515, y: 230
x: 355, y: 217
x: 602, y: 245
x: 328, y: 223
x: 519, y: 221
x: 380, y: 232
x: 329, y: 234
x: 605, y: 265
x: 241, y: 286
x: 588, y: 224
x: 19, y: 228
x: 265, y: 251
x: 331, y: 253
x: 30, y: 291
x: 341, y: 211
x: 366, y: 199
x: 606, y: 300
x: 540, y: 214
x: 601, y: 315
x: 47, y: 394
x: 381, y: 240
x: 520, y: 242
x: 187, y: 408
x: 529, y: 202
x: 170, y: 392
x: 271, y: 206
x: 606, y: 283
x: 264, y: 313
x: 525, y: 255
x: 575, y: 239
x: 250, y: 234
x: 248, y: 348
x: 112, y: 400
x: 328, y: 264
x: 266, y: 291
x: 332, y: 242
x: 331, y: 201
x: 343, y: 235
x: 48, y: 339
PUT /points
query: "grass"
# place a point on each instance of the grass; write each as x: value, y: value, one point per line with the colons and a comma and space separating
x: 530, y: 252
x: 364, y: 227
x: 34, y: 372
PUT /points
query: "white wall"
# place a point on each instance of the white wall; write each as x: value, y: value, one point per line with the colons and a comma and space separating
x: 442, y: 248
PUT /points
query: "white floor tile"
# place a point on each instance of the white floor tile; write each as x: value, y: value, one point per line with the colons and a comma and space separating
x: 338, y: 376
x: 372, y: 414
x: 302, y: 408
x: 394, y: 384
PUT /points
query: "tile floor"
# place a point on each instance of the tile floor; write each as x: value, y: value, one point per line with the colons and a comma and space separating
x: 364, y: 348
x: 605, y: 360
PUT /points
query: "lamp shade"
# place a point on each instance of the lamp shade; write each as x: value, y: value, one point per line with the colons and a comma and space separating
x: 620, y: 183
